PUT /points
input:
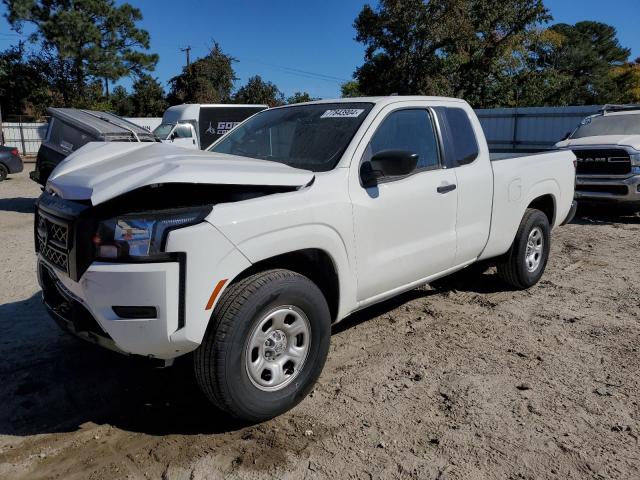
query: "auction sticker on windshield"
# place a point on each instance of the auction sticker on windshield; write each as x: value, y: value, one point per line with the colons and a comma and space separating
x: 342, y: 113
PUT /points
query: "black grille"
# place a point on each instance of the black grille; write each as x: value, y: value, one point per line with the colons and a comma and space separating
x: 603, y: 162
x: 52, y: 240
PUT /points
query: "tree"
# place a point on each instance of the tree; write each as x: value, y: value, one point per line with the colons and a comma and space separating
x: 207, y: 80
x: 100, y: 39
x: 587, y: 57
x: 148, y: 98
x: 257, y: 90
x: 300, y: 97
x: 121, y: 102
x: 444, y: 47
x: 23, y: 86
x: 628, y: 77
x: 350, y: 89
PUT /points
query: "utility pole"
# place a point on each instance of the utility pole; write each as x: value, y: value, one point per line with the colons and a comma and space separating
x: 187, y: 49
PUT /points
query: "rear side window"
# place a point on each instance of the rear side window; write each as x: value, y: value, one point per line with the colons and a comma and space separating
x: 66, y: 137
x: 410, y: 130
x: 460, y: 143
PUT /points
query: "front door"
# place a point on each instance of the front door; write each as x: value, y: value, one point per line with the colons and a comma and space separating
x: 184, y: 135
x: 405, y: 228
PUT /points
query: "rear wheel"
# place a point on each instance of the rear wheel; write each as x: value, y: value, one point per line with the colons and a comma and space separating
x: 523, y: 265
x: 265, y: 346
x: 3, y: 172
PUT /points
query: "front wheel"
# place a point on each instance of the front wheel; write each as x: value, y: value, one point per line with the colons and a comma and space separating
x: 523, y: 265
x: 265, y: 346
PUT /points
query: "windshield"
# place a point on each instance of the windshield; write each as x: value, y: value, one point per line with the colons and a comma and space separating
x: 163, y: 130
x: 312, y: 137
x: 625, y: 124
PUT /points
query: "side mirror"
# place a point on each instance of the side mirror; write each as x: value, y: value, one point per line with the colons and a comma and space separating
x: 173, y: 136
x: 388, y: 163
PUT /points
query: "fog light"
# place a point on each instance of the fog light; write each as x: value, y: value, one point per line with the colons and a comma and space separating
x: 135, y: 312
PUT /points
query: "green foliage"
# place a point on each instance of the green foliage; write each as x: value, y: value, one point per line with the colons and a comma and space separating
x: 148, y: 98
x: 350, y: 89
x: 120, y: 102
x: 442, y: 47
x: 23, y: 86
x: 99, y: 40
x: 258, y: 91
x: 583, y: 59
x: 207, y: 80
x: 490, y: 53
x: 300, y: 97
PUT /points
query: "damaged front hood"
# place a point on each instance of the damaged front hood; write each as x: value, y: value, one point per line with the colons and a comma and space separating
x: 101, y: 171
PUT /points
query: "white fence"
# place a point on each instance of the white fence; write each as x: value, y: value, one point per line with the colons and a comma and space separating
x: 27, y: 136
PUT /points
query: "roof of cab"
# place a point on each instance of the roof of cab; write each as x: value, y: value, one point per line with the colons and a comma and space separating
x: 383, y: 100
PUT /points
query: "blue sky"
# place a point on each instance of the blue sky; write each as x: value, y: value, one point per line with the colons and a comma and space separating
x: 302, y: 45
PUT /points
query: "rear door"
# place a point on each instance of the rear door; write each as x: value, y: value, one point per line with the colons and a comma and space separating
x: 405, y: 228
x: 469, y: 158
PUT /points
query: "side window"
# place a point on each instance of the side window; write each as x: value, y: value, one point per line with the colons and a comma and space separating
x: 461, y: 145
x: 67, y: 137
x: 411, y: 130
x: 183, y: 131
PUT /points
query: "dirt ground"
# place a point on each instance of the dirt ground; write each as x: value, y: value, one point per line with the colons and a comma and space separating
x: 460, y: 380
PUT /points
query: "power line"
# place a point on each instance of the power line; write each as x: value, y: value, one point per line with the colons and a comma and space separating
x: 300, y: 72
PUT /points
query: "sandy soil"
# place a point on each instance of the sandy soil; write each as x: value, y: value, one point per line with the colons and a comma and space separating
x: 459, y: 380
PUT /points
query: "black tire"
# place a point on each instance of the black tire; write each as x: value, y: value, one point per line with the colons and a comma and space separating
x: 220, y: 362
x: 3, y: 172
x: 512, y: 267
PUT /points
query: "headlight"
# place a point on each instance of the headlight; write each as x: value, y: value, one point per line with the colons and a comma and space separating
x: 141, y: 234
x: 635, y: 159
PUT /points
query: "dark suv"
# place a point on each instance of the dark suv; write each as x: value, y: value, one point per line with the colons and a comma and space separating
x: 10, y: 161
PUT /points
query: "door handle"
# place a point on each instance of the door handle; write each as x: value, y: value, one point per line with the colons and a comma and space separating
x: 446, y: 188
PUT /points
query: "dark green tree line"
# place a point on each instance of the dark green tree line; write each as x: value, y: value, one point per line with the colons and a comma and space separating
x: 490, y: 53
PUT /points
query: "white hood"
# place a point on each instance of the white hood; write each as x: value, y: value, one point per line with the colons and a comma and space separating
x: 100, y: 171
x: 632, y: 141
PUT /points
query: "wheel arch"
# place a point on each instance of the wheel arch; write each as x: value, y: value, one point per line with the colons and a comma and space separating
x: 546, y: 204
x: 314, y: 263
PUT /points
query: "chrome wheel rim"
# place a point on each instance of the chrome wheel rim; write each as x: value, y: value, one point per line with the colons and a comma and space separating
x: 535, y: 246
x: 277, y: 348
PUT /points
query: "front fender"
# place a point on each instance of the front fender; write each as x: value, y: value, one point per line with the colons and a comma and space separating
x: 308, y: 236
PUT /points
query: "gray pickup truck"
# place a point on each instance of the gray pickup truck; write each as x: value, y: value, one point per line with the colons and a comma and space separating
x: 607, y: 148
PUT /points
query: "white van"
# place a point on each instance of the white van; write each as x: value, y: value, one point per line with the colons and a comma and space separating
x: 198, y: 126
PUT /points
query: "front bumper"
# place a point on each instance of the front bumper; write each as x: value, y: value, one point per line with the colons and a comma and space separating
x: 606, y: 189
x: 85, y: 308
x: 179, y: 288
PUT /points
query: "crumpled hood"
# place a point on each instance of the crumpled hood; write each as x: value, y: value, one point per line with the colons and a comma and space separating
x: 632, y: 141
x: 100, y: 171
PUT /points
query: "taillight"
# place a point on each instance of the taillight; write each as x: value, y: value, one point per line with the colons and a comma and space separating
x: 14, y: 152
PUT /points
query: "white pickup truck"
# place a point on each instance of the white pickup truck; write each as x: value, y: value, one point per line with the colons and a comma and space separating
x: 246, y: 254
x: 607, y: 147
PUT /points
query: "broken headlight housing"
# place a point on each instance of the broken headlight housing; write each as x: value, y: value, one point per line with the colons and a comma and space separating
x: 141, y: 234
